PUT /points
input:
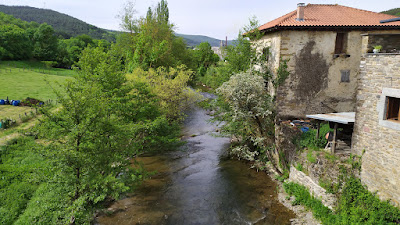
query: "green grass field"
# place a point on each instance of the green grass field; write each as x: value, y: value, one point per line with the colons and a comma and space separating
x: 13, y: 112
x: 19, y: 84
x: 36, y: 66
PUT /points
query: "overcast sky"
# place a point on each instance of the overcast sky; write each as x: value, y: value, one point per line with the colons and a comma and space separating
x: 214, y: 18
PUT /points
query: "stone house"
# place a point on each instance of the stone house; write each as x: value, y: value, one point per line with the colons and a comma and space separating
x: 322, y: 44
x: 377, y: 121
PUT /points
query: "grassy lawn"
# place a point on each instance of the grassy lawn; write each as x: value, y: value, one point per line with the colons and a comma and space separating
x: 19, y: 84
x: 36, y: 66
x: 13, y: 112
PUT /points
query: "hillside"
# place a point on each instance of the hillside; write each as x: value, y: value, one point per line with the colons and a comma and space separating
x: 395, y: 12
x: 193, y: 40
x: 64, y: 25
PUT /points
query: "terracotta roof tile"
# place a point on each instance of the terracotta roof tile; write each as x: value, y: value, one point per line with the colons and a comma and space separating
x: 331, y: 16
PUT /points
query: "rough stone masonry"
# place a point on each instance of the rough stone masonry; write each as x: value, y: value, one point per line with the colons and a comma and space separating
x: 373, y: 133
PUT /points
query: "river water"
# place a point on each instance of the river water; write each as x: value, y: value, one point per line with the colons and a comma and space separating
x: 198, y: 184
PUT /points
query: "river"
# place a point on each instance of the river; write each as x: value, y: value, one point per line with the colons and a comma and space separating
x: 198, y: 184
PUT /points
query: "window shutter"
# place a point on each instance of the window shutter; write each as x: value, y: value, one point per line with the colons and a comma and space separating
x: 339, y: 43
x: 345, y: 76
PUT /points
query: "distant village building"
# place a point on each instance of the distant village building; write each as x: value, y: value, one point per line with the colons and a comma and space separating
x: 322, y: 44
x: 219, y: 50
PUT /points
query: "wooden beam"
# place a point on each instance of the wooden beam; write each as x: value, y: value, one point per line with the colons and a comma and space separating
x: 318, y: 127
x: 333, y: 148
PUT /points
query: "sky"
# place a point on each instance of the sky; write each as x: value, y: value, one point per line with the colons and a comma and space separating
x: 213, y: 18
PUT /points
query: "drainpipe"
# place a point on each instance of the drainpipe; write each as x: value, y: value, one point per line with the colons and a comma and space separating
x: 300, y: 12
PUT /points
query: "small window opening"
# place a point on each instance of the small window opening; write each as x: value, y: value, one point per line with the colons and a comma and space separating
x: 266, y: 53
x: 341, y: 40
x: 345, y: 76
x: 393, y: 108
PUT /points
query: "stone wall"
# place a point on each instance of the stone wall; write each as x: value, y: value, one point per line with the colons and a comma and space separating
x: 329, y: 200
x: 314, y: 85
x: 379, y: 138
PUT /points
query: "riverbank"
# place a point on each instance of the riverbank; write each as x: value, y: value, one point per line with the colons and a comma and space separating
x: 198, y: 184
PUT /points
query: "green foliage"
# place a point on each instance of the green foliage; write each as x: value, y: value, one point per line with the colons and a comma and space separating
x: 215, y: 76
x: 299, y: 167
x: 303, y: 197
x: 150, y: 41
x: 22, y: 168
x: 14, y: 42
x: 329, y: 186
x: 359, y: 206
x: 283, y: 177
x: 247, y: 109
x: 170, y: 87
x: 240, y: 55
x: 64, y: 25
x: 46, y: 43
x: 24, y: 83
x: 307, y: 139
x: 50, y: 205
x: 282, y: 73
x: 311, y: 157
x: 395, y: 12
x: 204, y: 57
x: 356, y: 205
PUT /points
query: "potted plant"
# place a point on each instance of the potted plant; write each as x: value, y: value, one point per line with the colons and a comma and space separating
x: 377, y: 48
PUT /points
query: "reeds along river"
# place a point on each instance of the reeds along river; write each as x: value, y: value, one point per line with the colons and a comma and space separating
x: 198, y: 184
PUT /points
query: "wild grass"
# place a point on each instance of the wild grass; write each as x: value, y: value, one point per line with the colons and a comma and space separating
x: 17, y: 84
x: 36, y: 66
x: 13, y: 112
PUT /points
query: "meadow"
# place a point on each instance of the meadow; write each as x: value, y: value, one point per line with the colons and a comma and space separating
x: 19, y: 80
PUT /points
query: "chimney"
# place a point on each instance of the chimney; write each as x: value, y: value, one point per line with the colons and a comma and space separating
x: 300, y: 12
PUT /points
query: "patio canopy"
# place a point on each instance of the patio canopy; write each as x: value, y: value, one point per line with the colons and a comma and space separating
x: 342, y: 117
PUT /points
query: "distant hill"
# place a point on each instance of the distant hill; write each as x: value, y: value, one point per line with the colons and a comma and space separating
x: 64, y: 25
x: 68, y: 26
x: 395, y: 12
x: 194, y: 40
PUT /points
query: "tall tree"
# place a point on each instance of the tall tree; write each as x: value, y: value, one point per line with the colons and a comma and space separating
x: 46, y: 43
x: 14, y: 42
x: 162, y: 12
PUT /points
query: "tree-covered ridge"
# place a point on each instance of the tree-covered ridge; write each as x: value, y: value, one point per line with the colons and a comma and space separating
x: 194, y: 40
x: 64, y: 25
x: 395, y: 11
x: 8, y: 19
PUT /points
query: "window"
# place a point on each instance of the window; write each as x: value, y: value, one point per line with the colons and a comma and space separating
x: 345, y: 76
x: 266, y: 52
x: 341, y: 41
x: 392, y: 108
x: 389, y: 107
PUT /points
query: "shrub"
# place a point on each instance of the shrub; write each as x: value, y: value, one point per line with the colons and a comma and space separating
x: 307, y: 139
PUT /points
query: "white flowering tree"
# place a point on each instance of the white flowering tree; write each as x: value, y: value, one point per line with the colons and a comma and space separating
x: 248, y: 111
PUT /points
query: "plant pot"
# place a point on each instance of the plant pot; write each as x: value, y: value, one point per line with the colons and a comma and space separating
x: 376, y: 50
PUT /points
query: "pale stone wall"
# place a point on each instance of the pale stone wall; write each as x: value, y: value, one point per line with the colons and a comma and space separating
x: 314, y: 85
x: 329, y: 200
x: 273, y: 42
x: 379, y: 77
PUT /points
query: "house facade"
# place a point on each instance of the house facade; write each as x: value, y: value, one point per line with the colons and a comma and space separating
x: 322, y: 45
x: 376, y: 133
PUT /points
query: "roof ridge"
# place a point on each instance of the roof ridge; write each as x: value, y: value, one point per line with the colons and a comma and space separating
x: 334, y: 15
x: 368, y: 11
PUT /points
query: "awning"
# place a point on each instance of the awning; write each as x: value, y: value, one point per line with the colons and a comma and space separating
x: 342, y: 117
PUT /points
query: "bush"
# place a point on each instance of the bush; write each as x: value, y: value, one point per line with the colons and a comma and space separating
x: 307, y: 139
x: 356, y: 205
x: 303, y: 197
x: 359, y: 206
